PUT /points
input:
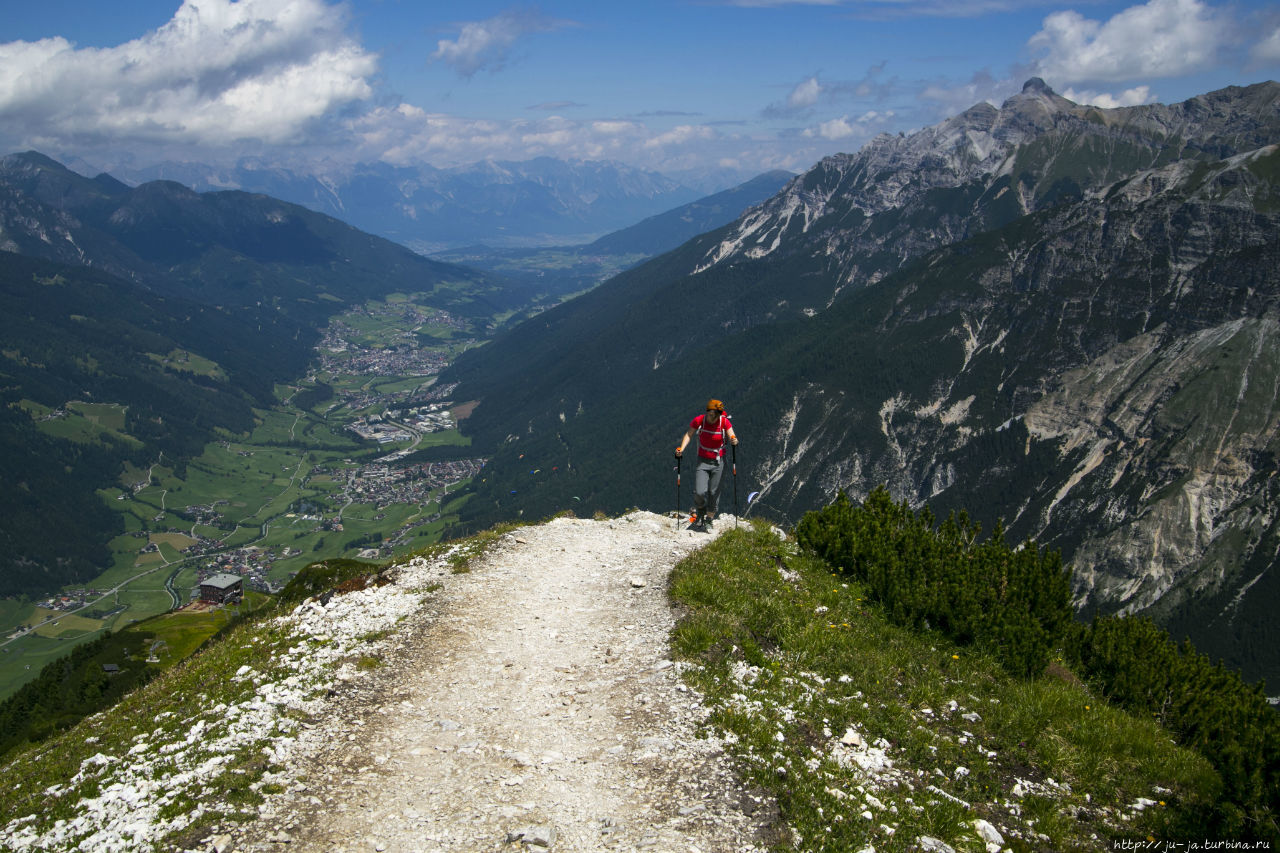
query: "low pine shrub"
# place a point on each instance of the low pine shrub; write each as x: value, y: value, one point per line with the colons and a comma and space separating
x: 1012, y: 602
x: 1137, y: 665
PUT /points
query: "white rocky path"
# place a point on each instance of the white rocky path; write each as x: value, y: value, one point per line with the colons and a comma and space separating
x: 535, y: 707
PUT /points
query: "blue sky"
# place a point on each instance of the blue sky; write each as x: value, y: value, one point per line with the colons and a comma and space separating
x: 747, y: 85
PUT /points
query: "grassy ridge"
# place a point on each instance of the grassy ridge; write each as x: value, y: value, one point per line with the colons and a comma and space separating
x: 806, y: 677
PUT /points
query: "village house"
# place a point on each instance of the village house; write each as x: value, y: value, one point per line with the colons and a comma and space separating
x: 221, y: 588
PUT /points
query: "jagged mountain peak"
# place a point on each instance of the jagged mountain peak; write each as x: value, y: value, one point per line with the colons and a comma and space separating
x: 990, y: 164
x: 1036, y: 85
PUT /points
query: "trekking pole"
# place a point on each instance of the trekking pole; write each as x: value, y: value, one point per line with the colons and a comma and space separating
x: 735, y: 485
x: 678, y: 461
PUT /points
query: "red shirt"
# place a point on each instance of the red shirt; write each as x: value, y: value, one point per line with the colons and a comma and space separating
x: 711, y: 439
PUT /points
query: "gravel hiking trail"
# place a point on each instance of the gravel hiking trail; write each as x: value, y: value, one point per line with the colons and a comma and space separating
x: 531, y: 705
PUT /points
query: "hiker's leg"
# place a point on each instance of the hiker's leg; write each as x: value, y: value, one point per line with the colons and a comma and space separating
x: 701, y: 482
x: 713, y: 485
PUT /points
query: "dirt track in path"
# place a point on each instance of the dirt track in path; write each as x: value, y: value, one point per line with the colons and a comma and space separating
x: 531, y: 705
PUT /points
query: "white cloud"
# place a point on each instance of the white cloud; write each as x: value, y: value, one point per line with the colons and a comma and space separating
x: 219, y: 72
x: 488, y: 44
x: 406, y: 135
x: 804, y: 94
x: 1136, y: 96
x: 837, y: 129
x: 615, y: 128
x: 1267, y: 50
x: 1163, y: 38
x: 681, y: 135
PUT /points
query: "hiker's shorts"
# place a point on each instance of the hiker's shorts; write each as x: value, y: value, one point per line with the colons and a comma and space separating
x: 706, y: 484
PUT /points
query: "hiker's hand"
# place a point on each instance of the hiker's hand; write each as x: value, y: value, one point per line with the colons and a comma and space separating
x: 679, y: 452
x: 734, y: 441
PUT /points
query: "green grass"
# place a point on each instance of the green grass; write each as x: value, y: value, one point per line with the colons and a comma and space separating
x: 83, y: 423
x: 182, y: 361
x: 109, y: 416
x: 789, y: 664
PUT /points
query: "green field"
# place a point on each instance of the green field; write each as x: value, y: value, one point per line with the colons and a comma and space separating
x: 181, y: 632
x: 67, y: 626
x: 106, y: 415
x: 80, y: 422
x: 188, y: 362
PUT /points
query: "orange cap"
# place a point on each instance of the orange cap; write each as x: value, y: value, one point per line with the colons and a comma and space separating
x: 715, y: 406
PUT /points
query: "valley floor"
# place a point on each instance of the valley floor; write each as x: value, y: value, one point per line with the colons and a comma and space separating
x: 535, y: 706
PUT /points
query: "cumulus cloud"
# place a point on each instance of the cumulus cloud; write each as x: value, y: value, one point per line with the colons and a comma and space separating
x: 1136, y: 96
x: 405, y: 135
x: 1267, y: 50
x: 1162, y: 38
x: 839, y: 129
x: 681, y: 135
x: 487, y: 44
x: 219, y: 72
x: 836, y: 128
x: 804, y: 95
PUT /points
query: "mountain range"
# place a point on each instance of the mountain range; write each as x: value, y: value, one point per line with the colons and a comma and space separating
x: 504, y: 204
x: 1056, y: 316
x: 560, y: 271
x: 183, y: 310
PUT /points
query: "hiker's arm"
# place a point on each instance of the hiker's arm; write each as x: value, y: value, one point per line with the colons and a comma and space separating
x: 733, y: 437
x: 684, y: 442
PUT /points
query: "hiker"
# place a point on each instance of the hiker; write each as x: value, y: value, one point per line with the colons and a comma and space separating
x: 711, y: 430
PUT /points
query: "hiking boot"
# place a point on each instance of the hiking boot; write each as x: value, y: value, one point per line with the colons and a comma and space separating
x: 706, y: 522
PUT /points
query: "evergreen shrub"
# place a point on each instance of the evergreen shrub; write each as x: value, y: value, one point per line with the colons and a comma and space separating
x: 1011, y: 601
x: 1137, y: 665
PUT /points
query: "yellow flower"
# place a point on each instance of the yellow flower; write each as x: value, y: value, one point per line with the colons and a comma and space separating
x: 955, y: 657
